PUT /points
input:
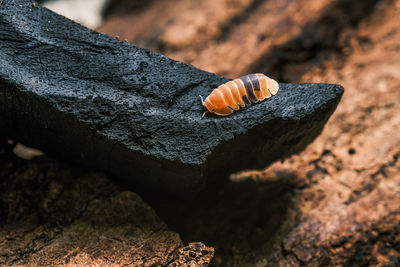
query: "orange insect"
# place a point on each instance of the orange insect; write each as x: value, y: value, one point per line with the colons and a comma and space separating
x: 239, y: 92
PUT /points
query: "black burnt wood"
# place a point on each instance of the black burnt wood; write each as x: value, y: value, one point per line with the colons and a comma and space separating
x: 86, y: 97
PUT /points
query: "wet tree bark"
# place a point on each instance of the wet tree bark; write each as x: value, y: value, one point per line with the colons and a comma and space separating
x: 335, y: 204
x: 88, y: 98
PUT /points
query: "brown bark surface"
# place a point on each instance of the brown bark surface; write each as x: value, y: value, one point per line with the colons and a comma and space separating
x: 335, y: 204
x: 53, y: 214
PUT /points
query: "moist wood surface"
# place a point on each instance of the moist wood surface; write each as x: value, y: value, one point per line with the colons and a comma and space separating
x: 335, y: 204
x: 134, y: 113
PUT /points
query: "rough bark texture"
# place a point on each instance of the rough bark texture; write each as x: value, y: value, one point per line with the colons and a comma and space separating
x: 337, y: 203
x: 136, y: 114
x: 53, y: 214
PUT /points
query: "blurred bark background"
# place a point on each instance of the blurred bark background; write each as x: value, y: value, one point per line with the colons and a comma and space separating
x: 335, y: 204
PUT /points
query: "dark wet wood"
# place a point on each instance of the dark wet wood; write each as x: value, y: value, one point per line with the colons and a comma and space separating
x: 335, y: 204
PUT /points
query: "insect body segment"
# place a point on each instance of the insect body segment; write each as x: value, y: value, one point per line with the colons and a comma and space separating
x: 239, y: 93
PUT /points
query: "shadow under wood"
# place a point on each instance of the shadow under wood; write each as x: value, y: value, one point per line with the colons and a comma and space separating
x: 242, y: 216
x: 316, y: 42
x: 6, y: 147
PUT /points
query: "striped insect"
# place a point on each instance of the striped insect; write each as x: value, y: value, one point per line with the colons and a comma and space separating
x: 239, y: 92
